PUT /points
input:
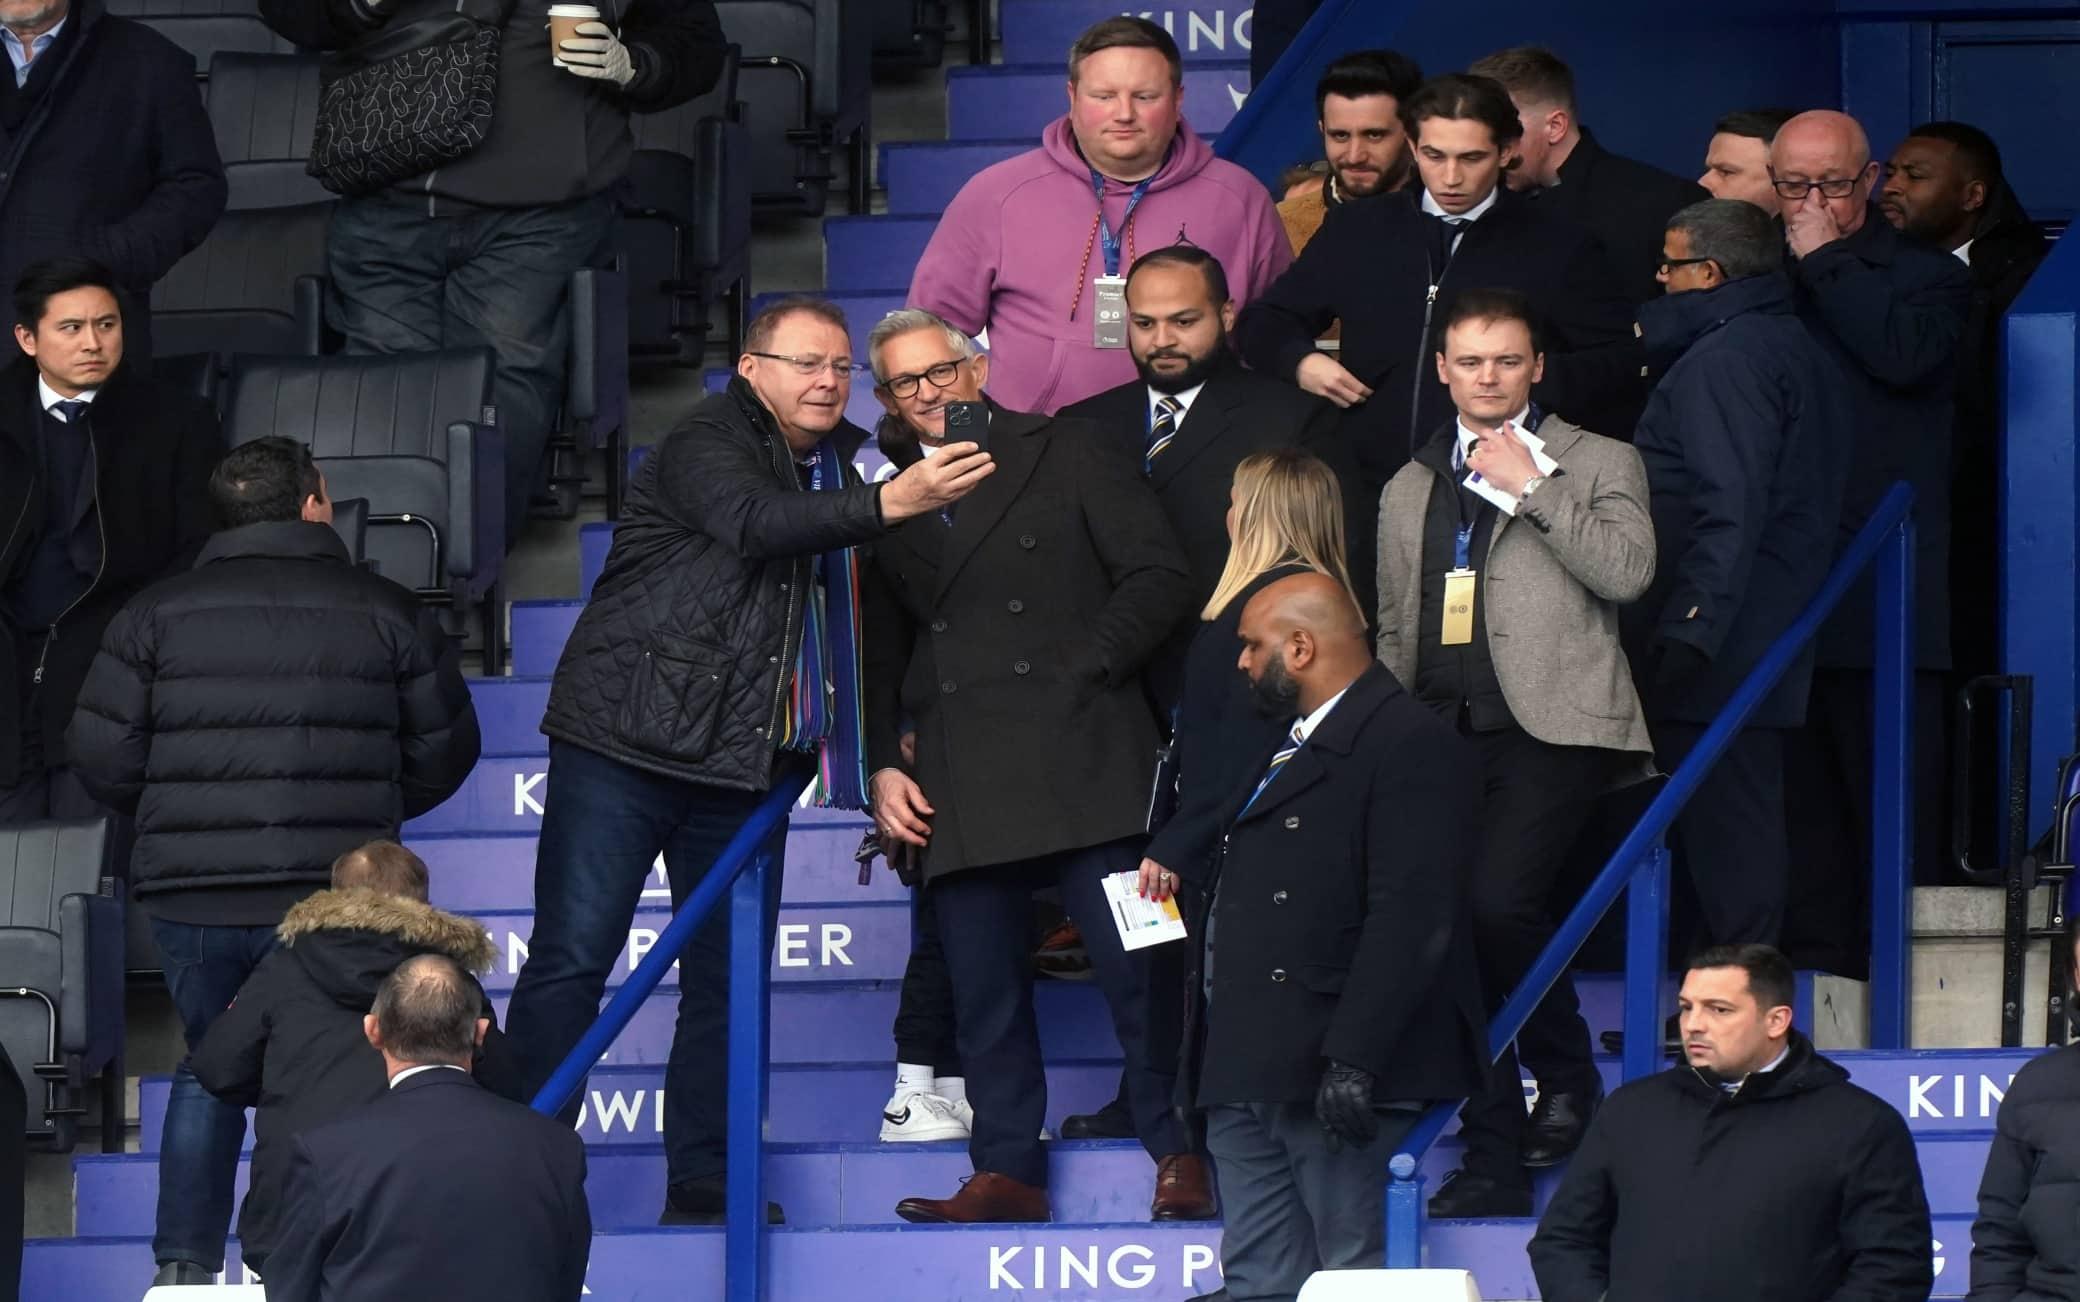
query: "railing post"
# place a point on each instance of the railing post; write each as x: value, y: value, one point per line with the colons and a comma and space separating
x: 1892, y: 783
x: 1404, y: 1214
x: 744, y: 1245
x: 1646, y: 963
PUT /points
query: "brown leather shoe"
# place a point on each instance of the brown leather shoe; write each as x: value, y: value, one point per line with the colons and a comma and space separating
x: 1184, y: 1189
x: 984, y: 1197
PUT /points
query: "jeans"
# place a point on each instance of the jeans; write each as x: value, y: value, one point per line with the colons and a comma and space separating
x: 603, y: 826
x: 496, y: 277
x: 198, y: 1157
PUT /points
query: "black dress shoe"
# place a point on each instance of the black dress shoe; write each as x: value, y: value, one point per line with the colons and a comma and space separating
x: 1558, y: 1121
x: 1112, y: 1121
x: 701, y: 1202
x: 1463, y: 1195
x: 1671, y: 1038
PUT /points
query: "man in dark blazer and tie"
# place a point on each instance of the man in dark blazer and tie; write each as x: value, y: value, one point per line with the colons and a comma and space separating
x: 1011, y: 632
x: 1335, y: 980
x: 1192, y: 416
x: 404, y: 1197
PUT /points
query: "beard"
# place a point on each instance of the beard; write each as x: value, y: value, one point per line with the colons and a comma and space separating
x: 1275, y: 693
x: 1196, y: 372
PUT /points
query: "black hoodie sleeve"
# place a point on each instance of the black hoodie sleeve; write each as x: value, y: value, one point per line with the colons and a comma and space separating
x: 233, y: 1051
x: 676, y: 46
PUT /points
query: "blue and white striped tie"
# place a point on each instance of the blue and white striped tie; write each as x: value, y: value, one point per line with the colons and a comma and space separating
x: 1161, y: 430
x: 1278, y: 761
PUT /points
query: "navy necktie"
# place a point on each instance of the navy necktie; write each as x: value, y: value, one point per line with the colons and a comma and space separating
x: 1278, y: 761
x: 69, y: 409
x: 1161, y: 430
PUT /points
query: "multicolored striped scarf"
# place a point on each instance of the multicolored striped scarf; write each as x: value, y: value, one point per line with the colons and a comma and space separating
x: 823, y: 703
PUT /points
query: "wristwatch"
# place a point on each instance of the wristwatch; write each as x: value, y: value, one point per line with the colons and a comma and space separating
x: 1530, y: 487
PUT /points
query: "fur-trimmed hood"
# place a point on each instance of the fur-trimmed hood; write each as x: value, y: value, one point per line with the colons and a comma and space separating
x: 348, y: 941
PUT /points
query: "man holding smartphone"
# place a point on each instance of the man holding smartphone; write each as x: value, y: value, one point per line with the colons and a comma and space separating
x: 1010, y: 631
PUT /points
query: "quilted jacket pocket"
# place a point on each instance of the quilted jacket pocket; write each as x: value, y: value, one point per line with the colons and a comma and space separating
x: 675, y: 698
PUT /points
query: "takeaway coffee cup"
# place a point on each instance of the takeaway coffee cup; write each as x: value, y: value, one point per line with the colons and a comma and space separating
x: 563, y: 25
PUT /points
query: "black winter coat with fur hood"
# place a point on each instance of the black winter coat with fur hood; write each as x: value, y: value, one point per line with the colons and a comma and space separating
x: 291, y: 1044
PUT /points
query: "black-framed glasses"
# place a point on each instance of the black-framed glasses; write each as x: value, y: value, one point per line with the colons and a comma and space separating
x: 1834, y: 187
x: 842, y: 367
x: 904, y: 386
x: 1670, y: 264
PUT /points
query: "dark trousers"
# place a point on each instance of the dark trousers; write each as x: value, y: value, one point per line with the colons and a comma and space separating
x: 494, y: 278
x: 924, y: 1008
x: 1827, y: 797
x: 47, y: 787
x: 1730, y: 840
x: 984, y: 917
x: 1290, y: 1204
x: 603, y: 826
x: 198, y: 1157
x: 1536, y: 799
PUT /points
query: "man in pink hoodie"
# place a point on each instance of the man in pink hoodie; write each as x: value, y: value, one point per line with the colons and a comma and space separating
x: 1028, y: 252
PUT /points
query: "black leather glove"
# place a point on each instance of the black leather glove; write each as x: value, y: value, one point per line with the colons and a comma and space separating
x: 1343, y: 1104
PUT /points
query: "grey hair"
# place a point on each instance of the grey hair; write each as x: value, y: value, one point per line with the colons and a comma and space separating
x: 1733, y: 233
x: 903, y: 321
x: 427, y: 1011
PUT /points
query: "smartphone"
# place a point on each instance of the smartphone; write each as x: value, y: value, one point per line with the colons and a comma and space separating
x: 968, y: 422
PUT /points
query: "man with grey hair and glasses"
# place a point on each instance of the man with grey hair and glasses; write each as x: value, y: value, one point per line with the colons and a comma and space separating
x: 378, y: 1199
x: 1892, y: 311
x: 1743, y: 441
x: 718, y: 658
x: 1009, y: 632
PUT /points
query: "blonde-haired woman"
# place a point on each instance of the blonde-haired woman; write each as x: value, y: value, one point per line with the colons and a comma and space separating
x: 1285, y: 517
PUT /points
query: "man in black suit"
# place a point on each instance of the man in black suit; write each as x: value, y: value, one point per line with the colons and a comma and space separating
x: 1621, y: 201
x: 1944, y: 185
x: 1389, y: 267
x: 1336, y: 977
x: 104, y: 488
x: 1892, y: 310
x: 1011, y: 632
x: 389, y: 1201
x: 1194, y: 414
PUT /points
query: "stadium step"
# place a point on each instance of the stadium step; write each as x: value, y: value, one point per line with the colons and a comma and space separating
x: 824, y: 1103
x: 849, y: 1185
x: 910, y: 1263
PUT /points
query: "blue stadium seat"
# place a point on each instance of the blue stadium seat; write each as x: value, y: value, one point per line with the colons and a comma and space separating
x: 206, y: 28
x: 865, y: 254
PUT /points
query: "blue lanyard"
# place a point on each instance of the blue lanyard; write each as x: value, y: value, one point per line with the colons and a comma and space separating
x: 1108, y: 243
x: 1462, y: 551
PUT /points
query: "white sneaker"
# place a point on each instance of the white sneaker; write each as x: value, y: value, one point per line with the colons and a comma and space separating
x: 966, y: 1112
x: 921, y: 1118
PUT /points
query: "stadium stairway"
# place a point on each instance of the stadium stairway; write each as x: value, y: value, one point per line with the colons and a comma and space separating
x: 839, y: 953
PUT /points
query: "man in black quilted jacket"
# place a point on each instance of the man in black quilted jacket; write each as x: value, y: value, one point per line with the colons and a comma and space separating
x: 261, y: 714
x: 718, y: 658
x: 478, y: 252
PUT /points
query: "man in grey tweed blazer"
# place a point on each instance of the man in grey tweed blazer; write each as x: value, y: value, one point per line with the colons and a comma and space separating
x: 1506, y: 546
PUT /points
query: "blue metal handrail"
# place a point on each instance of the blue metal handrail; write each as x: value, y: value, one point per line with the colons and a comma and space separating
x: 741, y: 871
x: 1641, y: 864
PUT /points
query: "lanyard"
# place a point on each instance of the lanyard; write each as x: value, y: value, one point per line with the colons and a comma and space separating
x: 1108, y: 243
x: 1462, y: 550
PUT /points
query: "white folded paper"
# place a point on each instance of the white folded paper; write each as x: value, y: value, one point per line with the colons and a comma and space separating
x: 1141, y: 922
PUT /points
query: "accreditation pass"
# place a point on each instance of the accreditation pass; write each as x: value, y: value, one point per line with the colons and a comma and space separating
x: 1141, y: 922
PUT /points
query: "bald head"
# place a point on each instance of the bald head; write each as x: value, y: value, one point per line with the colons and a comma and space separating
x: 1303, y: 641
x: 1825, y: 148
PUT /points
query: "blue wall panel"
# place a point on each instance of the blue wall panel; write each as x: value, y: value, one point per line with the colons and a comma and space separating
x: 2040, y: 601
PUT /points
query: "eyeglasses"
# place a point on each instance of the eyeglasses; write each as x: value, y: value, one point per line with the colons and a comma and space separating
x: 842, y: 367
x: 1838, y: 187
x: 904, y: 386
x: 1670, y: 264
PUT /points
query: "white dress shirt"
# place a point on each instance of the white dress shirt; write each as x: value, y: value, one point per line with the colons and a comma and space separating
x: 409, y: 1072
x: 49, y: 397
x: 1183, y: 400
x: 24, y: 57
x: 1460, y: 221
x: 1307, y: 725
